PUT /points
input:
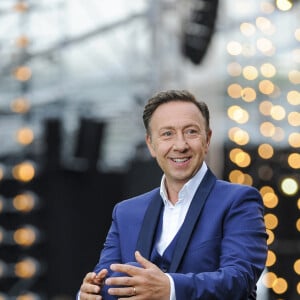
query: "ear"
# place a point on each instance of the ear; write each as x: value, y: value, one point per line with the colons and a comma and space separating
x: 150, y: 145
x: 208, y: 137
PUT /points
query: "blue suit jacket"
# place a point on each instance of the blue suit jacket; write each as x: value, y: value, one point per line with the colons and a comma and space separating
x: 221, y: 250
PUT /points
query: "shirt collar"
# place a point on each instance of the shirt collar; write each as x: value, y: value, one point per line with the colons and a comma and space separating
x: 188, y: 190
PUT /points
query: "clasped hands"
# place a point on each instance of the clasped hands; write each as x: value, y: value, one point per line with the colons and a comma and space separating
x: 145, y: 282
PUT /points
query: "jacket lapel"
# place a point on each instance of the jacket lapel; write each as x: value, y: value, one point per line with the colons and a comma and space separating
x: 191, y: 219
x: 148, y: 229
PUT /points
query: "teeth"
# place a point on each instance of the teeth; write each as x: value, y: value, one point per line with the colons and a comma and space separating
x: 179, y: 160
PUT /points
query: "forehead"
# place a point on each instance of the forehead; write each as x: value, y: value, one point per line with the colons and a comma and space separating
x: 177, y: 113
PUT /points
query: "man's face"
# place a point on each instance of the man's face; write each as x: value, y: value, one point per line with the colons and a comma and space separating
x: 178, y: 140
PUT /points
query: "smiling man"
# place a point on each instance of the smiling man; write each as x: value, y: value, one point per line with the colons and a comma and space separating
x: 194, y: 237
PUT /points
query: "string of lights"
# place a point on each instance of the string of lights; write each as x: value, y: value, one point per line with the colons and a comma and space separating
x: 262, y: 105
x: 20, y: 237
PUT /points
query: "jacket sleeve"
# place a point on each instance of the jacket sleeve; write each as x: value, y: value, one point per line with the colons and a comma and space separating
x: 111, y: 252
x: 242, y: 255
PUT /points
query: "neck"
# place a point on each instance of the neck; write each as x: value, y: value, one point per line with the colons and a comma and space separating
x: 173, y: 191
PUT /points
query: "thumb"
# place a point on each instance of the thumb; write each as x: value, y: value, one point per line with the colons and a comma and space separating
x: 145, y: 263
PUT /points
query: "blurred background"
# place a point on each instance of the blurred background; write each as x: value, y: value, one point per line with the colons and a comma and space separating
x: 74, y: 77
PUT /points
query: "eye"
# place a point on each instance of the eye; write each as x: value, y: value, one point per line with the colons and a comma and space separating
x: 167, y: 133
x: 192, y: 131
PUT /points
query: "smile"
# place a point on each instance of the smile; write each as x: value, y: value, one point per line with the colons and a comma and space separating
x: 180, y: 160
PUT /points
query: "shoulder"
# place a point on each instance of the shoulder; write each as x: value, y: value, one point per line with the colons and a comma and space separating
x: 237, y: 192
x: 222, y: 184
x: 141, y: 200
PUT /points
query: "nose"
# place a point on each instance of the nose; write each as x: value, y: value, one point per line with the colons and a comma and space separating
x: 180, y: 143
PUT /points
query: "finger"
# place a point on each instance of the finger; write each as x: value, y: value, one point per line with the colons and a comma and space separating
x: 85, y: 296
x: 89, y: 277
x: 120, y: 281
x: 101, y: 276
x: 142, y: 260
x: 89, y: 288
x: 126, y: 268
x: 122, y: 291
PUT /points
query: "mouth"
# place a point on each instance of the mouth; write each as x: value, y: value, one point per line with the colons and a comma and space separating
x: 180, y: 160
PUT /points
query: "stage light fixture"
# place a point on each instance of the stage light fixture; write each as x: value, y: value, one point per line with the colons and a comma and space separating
x: 198, y: 29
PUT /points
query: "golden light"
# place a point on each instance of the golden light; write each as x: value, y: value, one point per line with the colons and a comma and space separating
x: 280, y: 285
x: 234, y: 90
x: 266, y: 189
x: 298, y: 288
x: 294, y: 76
x: 237, y: 176
x: 265, y: 151
x: 21, y: 7
x: 243, y: 159
x: 26, y: 268
x: 289, y: 186
x: 271, y: 221
x: 24, y: 171
x: 22, y: 73
x: 294, y: 139
x: 25, y: 136
x: 240, y: 157
x: 265, y: 107
x: 25, y: 236
x: 266, y: 87
x: 22, y: 41
x: 270, y: 200
x: 1, y: 209
x: 234, y: 69
x: 28, y: 296
x: 294, y: 118
x: 298, y: 203
x: 267, y: 129
x: 271, y: 237
x: 278, y: 112
x: 293, y: 97
x: 268, y: 70
x: 234, y: 48
x: 1, y: 236
x: 238, y: 114
x: 250, y: 72
x: 239, y: 136
x: 24, y: 202
x: 20, y: 105
x: 1, y: 173
x: 265, y: 46
x: 248, y: 94
x: 271, y: 258
x: 247, y: 29
x: 248, y: 180
x: 284, y: 5
x: 297, y: 266
x: 298, y: 224
x: 268, y: 279
x: 294, y: 160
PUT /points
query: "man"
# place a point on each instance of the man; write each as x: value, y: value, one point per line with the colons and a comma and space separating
x: 195, y: 237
